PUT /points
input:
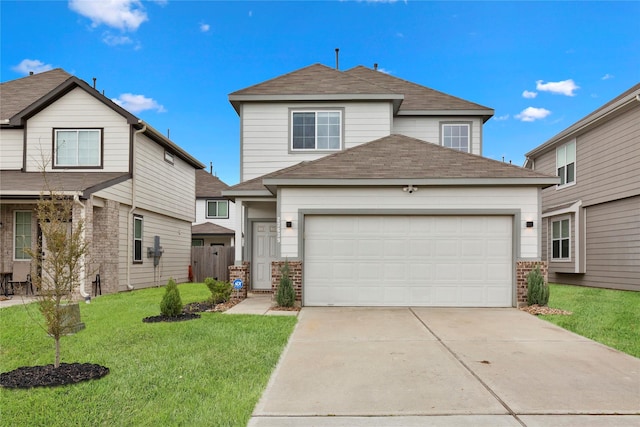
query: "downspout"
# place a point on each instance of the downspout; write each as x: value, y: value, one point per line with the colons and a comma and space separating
x: 83, y: 293
x: 133, y: 200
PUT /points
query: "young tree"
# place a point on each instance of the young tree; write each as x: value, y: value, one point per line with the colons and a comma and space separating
x: 59, y: 259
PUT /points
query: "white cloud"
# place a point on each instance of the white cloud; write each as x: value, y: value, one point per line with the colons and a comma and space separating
x: 564, y: 87
x: 205, y: 27
x: 531, y: 114
x: 112, y: 40
x: 126, y: 15
x: 27, y: 65
x: 138, y: 103
x: 607, y: 76
x: 529, y: 95
x: 501, y: 118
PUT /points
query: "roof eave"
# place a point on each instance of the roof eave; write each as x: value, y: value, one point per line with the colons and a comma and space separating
x: 233, y: 194
x: 237, y: 100
x: 486, y: 114
x: 273, y: 183
x: 167, y: 143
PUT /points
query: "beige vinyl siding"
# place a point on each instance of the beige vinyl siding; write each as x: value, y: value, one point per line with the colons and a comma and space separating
x: 428, y: 129
x: 175, y: 239
x: 426, y: 199
x: 120, y: 192
x: 11, y: 144
x: 265, y: 133
x: 607, y: 159
x: 78, y: 109
x: 160, y: 186
x: 612, y: 247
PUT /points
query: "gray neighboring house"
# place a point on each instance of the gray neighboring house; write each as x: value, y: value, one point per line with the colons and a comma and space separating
x: 133, y: 186
x: 215, y: 222
x: 375, y: 191
x: 591, y: 220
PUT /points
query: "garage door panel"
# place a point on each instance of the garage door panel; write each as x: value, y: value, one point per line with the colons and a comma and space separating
x: 410, y: 260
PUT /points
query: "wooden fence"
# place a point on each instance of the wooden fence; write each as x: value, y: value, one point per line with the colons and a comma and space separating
x: 211, y: 261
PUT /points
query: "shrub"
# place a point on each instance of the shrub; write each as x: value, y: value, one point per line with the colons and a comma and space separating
x: 285, y: 295
x: 538, y: 290
x: 171, y: 304
x: 220, y: 291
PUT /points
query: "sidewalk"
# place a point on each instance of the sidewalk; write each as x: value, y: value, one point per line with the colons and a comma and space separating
x: 258, y: 304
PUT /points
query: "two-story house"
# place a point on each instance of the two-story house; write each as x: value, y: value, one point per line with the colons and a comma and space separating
x: 591, y: 219
x: 134, y: 188
x: 375, y: 191
x: 215, y: 222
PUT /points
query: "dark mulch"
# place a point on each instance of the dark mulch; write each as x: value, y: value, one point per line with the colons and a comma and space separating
x: 179, y: 318
x: 197, y: 307
x: 48, y: 376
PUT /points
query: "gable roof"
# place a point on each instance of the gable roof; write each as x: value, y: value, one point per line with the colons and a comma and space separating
x: 421, y: 99
x: 397, y: 160
x: 209, y: 228
x: 208, y: 185
x: 22, y: 98
x: 617, y: 105
x: 316, y: 82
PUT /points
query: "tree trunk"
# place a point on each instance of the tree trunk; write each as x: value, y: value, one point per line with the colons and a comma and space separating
x: 57, y: 364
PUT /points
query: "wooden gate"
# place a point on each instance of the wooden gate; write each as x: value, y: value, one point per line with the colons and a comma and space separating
x: 211, y: 261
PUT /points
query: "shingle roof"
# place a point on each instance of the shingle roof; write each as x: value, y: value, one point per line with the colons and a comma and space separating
x: 16, y: 95
x: 30, y: 184
x: 416, y: 97
x: 211, y: 229
x: 208, y: 185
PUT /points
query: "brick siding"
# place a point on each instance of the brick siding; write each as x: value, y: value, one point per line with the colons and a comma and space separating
x: 241, y: 272
x: 295, y: 273
x: 522, y: 269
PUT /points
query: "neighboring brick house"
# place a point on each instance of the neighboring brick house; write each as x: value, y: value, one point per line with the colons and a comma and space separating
x: 376, y: 191
x: 215, y: 222
x: 591, y: 219
x: 133, y: 186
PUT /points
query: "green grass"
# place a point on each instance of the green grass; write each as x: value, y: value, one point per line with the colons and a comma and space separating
x: 208, y: 371
x: 608, y: 316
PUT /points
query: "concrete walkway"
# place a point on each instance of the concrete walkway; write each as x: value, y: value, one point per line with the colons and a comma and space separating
x: 445, y: 367
x: 258, y: 304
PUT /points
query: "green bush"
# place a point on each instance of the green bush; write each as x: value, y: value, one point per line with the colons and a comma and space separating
x: 538, y: 290
x: 220, y: 291
x: 171, y: 304
x: 285, y: 295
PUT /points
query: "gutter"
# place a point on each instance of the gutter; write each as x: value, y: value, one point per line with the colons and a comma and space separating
x: 83, y: 216
x: 133, y: 201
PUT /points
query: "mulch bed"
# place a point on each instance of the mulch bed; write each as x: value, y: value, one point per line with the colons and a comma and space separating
x: 48, y: 376
x: 179, y: 318
x: 537, y: 310
x: 191, y: 310
x: 278, y: 308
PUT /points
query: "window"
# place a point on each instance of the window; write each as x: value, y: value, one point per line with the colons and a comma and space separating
x: 168, y: 157
x: 137, y: 239
x: 77, y: 147
x: 456, y: 136
x: 566, y: 163
x: 316, y: 130
x: 217, y: 209
x: 197, y: 242
x: 22, y: 235
x: 561, y: 239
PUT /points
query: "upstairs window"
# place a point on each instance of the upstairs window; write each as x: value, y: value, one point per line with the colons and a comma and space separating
x: 77, y: 147
x: 217, y: 209
x: 566, y: 163
x: 316, y: 130
x: 456, y: 136
x: 561, y: 240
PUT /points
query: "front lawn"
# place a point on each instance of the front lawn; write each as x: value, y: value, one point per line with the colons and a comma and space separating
x: 608, y: 316
x: 207, y: 371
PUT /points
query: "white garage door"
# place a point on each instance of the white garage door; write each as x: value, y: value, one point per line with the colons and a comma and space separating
x: 408, y: 261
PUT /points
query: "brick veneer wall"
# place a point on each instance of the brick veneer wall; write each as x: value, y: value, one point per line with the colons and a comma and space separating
x: 241, y: 272
x: 104, y: 247
x: 522, y: 269
x: 295, y: 273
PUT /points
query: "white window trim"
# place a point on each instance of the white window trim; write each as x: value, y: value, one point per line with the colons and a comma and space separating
x: 575, y: 165
x: 206, y: 209
x: 551, y: 240
x: 340, y: 111
x: 469, y: 125
x: 13, y: 254
x: 141, y: 239
x: 65, y: 166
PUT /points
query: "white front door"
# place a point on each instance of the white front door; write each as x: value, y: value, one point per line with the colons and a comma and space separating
x: 264, y: 251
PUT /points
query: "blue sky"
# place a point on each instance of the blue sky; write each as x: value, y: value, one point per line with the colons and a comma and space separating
x: 540, y: 65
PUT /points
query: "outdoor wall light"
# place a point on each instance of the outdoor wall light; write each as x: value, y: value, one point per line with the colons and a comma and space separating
x: 289, y: 224
x: 529, y: 224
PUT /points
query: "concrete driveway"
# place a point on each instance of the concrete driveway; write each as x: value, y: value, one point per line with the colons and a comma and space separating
x: 445, y: 367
